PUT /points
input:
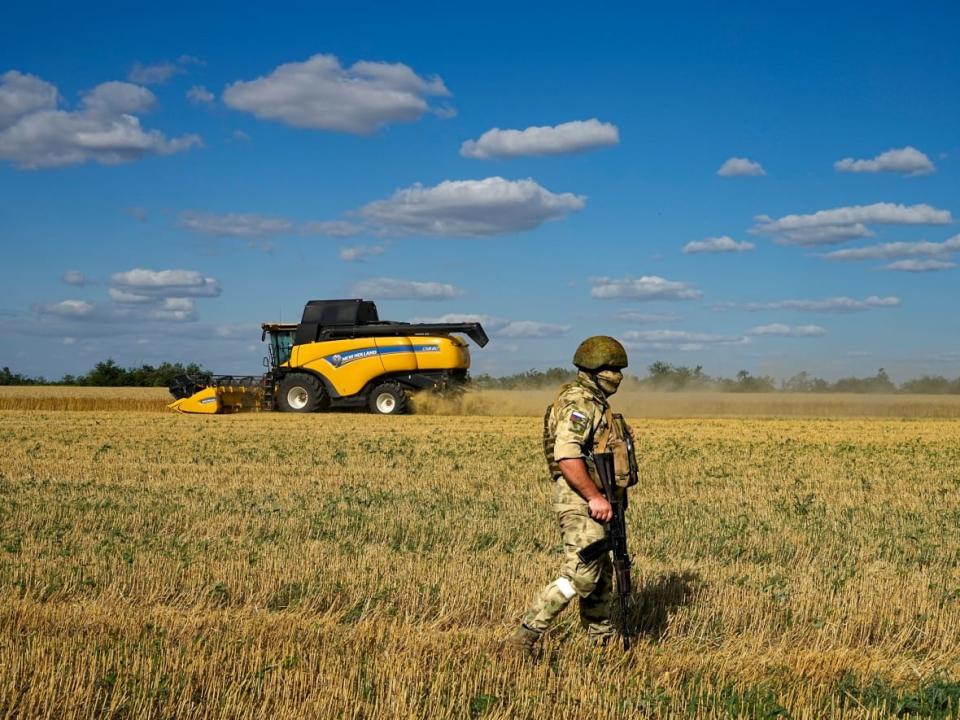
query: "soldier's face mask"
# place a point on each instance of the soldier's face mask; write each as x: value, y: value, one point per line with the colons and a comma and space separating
x: 609, y: 381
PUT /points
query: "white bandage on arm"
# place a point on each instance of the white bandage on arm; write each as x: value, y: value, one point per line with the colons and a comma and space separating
x: 565, y: 587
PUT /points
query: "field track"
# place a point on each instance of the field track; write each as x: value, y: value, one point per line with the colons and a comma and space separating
x: 345, y: 565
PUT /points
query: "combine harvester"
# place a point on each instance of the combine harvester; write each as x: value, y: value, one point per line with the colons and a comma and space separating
x: 340, y: 355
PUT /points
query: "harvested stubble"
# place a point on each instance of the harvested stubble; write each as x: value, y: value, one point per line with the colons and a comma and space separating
x: 348, y: 565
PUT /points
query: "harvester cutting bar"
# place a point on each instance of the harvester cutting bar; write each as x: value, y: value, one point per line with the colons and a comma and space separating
x: 474, y: 331
x: 219, y: 394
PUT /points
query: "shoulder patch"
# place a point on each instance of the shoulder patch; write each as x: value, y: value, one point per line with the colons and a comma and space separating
x: 579, y: 421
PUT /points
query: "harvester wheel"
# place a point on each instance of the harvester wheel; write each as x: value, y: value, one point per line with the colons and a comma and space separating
x: 301, y: 393
x: 388, y: 398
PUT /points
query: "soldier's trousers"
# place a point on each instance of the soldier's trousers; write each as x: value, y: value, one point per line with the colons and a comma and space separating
x: 591, y: 582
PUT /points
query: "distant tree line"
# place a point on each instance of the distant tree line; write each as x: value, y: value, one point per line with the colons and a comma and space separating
x: 660, y: 376
x: 108, y: 374
x: 665, y: 377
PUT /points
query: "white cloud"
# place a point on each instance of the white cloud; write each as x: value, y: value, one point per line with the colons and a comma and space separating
x: 320, y: 94
x: 647, y: 318
x: 781, y: 330
x: 105, y: 129
x: 67, y: 309
x: 907, y: 161
x: 356, y: 253
x: 888, y: 251
x: 920, y: 265
x: 569, y: 137
x: 125, y: 297
x: 332, y: 228
x: 245, y: 225
x: 199, y: 95
x: 827, y: 305
x: 678, y: 340
x: 174, y: 310
x: 75, y: 277
x: 739, y: 167
x: 240, y: 135
x: 137, y: 296
x: 22, y: 94
x: 531, y: 329
x: 843, y: 223
x: 163, y: 284
x: 394, y: 289
x: 647, y: 287
x: 723, y: 244
x: 470, y: 208
x: 153, y: 74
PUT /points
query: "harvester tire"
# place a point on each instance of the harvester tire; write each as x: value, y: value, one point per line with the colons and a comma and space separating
x: 388, y: 398
x: 301, y: 393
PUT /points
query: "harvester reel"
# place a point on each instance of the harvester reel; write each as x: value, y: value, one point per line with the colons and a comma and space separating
x: 388, y: 398
x: 303, y: 393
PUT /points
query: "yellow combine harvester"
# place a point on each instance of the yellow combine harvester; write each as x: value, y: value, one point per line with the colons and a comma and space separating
x: 340, y: 355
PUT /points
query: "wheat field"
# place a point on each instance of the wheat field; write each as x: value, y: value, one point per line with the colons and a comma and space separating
x: 345, y: 565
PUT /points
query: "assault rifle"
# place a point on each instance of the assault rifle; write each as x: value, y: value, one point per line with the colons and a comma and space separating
x: 614, y: 542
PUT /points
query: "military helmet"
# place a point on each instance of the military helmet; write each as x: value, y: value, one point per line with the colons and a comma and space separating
x: 600, y: 351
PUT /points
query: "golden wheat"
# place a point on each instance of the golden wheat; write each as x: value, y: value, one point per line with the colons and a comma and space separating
x: 348, y: 565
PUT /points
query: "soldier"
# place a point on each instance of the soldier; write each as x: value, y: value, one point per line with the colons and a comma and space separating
x: 577, y: 423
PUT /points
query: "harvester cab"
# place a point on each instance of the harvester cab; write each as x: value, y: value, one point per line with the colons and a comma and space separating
x: 342, y: 355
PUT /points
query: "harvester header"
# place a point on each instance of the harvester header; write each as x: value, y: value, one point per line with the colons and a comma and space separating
x: 341, y: 355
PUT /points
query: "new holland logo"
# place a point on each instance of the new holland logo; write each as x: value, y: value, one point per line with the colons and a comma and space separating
x: 340, y: 359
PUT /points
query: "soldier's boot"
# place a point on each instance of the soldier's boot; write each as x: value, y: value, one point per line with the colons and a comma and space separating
x: 523, y: 642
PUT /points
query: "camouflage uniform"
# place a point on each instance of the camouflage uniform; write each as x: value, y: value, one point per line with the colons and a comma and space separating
x: 572, y: 426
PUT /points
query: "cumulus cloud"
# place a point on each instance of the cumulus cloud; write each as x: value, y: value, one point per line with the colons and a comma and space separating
x: 647, y: 287
x: 906, y: 161
x: 889, y: 251
x: 569, y: 137
x: 782, y: 330
x: 723, y: 244
x: 394, y: 289
x: 22, y: 94
x: 827, y: 305
x: 75, y: 277
x: 243, y: 225
x: 470, y: 208
x: 357, y: 253
x: 34, y: 133
x: 199, y: 95
x: 240, y: 135
x: 920, y: 265
x: 332, y: 228
x: 319, y: 94
x: 137, y: 296
x: 67, y: 309
x: 844, y: 223
x: 531, y: 329
x: 678, y: 340
x: 739, y: 167
x: 141, y: 282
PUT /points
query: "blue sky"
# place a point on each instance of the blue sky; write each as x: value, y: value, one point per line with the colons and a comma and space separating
x: 171, y: 178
